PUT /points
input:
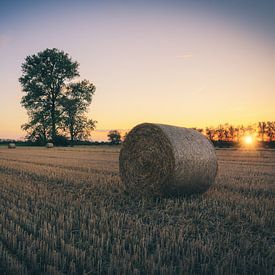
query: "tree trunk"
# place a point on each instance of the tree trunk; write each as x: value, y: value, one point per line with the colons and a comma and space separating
x: 53, y: 122
x: 72, y: 135
x: 53, y: 127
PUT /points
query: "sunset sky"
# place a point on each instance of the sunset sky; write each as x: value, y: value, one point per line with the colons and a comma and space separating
x: 185, y: 63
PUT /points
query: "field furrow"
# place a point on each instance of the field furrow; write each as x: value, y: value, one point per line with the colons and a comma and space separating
x: 66, y: 211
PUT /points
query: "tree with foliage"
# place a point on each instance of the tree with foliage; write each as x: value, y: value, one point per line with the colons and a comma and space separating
x: 114, y: 137
x: 76, y: 100
x: 46, y: 83
x: 38, y: 127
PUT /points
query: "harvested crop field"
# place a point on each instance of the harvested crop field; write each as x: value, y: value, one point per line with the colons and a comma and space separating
x: 65, y: 211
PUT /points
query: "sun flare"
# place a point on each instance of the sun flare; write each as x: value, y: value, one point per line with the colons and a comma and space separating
x: 248, y: 140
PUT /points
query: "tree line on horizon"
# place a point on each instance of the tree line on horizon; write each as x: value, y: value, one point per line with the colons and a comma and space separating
x: 261, y: 131
x: 224, y: 134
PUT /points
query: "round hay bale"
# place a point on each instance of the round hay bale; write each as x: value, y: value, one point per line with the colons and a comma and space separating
x: 11, y: 146
x: 163, y: 160
x: 49, y: 145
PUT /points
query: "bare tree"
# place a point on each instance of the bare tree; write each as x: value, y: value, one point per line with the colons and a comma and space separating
x: 220, y: 133
x: 210, y: 133
x: 270, y: 130
x: 262, y: 129
x: 231, y: 131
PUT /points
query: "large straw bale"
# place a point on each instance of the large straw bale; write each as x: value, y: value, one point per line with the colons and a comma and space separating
x: 49, y: 145
x: 11, y: 146
x: 163, y: 160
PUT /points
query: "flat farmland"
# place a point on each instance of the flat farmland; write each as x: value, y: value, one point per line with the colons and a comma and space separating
x: 65, y: 210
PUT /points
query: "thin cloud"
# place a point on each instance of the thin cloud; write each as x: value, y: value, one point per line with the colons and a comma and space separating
x: 186, y: 56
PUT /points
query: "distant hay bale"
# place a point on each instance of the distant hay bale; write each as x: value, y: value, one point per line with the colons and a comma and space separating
x: 163, y: 160
x: 49, y: 145
x: 11, y: 146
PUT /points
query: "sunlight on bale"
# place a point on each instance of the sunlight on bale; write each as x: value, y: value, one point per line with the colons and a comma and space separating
x: 11, y: 146
x: 163, y: 160
x: 49, y: 145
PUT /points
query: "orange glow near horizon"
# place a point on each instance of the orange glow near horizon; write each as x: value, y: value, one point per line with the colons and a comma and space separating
x: 248, y: 140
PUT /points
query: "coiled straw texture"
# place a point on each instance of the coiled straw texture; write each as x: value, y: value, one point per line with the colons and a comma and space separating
x: 163, y: 160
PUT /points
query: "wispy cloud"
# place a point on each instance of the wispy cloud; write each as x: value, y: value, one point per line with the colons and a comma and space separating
x: 188, y: 56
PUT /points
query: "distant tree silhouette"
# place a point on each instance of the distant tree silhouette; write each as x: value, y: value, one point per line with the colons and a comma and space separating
x: 231, y: 132
x: 262, y: 129
x: 114, y: 137
x: 227, y: 135
x: 220, y: 133
x: 242, y: 131
x: 250, y: 130
x: 270, y: 130
x: 210, y: 133
x: 237, y: 133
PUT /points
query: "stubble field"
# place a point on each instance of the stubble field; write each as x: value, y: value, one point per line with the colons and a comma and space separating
x: 64, y: 210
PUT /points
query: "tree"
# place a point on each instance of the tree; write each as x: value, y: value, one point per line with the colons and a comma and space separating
x: 262, y: 129
x: 231, y: 131
x: 75, y: 102
x: 43, y: 79
x: 226, y: 134
x: 237, y: 133
x: 220, y: 133
x: 242, y: 131
x: 270, y: 130
x: 210, y: 133
x: 80, y: 128
x: 114, y: 137
x: 250, y: 129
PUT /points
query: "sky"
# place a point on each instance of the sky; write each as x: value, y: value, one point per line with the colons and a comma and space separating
x: 186, y: 63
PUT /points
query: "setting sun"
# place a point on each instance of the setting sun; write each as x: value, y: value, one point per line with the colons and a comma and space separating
x: 248, y: 140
